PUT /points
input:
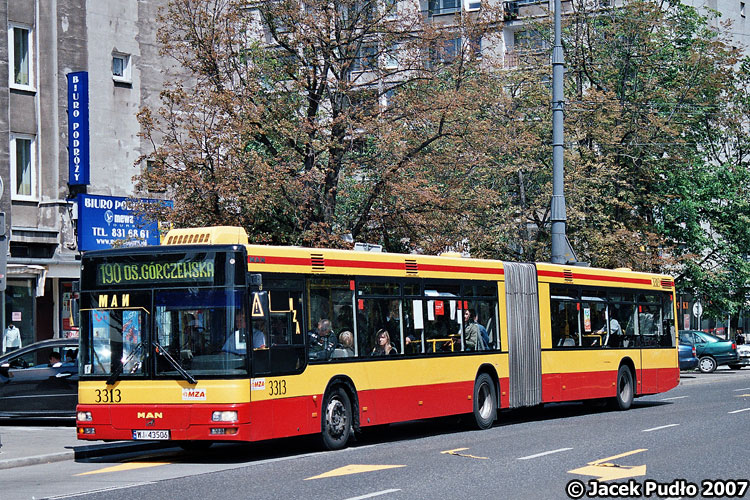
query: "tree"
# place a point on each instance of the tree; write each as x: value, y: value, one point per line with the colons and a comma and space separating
x: 308, y: 122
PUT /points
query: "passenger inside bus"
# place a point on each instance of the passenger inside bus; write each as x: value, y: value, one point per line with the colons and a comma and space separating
x: 383, y: 346
x: 322, y: 340
x: 259, y: 337
x: 345, y: 347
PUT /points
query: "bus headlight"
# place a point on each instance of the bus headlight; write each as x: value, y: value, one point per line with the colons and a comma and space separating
x: 224, y: 416
x: 84, y: 416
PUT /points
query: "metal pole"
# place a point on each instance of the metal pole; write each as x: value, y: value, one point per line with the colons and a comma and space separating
x: 557, y: 212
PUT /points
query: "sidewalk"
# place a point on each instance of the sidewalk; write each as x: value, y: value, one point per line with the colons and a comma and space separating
x: 37, y: 443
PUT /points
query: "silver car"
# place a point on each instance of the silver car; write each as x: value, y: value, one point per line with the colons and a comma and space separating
x: 743, y: 351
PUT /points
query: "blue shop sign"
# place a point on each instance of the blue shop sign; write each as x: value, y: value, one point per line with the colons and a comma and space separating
x: 104, y: 219
x: 78, y: 128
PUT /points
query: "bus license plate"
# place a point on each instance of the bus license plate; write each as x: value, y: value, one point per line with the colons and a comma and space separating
x: 151, y: 435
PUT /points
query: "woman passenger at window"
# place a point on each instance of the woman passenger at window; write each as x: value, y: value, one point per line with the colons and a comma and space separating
x: 383, y: 346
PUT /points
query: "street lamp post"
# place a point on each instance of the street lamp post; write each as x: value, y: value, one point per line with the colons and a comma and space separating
x: 561, y: 252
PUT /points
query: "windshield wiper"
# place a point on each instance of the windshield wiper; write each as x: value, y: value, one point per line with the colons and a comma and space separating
x: 163, y: 352
x: 118, y: 371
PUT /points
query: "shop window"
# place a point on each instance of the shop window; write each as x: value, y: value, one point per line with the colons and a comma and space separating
x: 19, y: 308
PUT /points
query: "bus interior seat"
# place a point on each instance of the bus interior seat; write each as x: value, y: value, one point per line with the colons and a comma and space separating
x: 339, y: 353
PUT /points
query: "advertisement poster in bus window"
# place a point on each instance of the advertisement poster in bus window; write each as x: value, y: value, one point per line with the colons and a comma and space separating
x: 439, y: 308
x: 587, y: 319
x: 131, y: 338
x: 100, y: 331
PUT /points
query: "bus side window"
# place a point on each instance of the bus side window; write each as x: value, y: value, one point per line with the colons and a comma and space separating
x: 565, y: 319
x: 666, y: 338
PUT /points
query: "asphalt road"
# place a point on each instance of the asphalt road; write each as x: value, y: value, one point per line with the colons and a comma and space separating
x: 696, y: 432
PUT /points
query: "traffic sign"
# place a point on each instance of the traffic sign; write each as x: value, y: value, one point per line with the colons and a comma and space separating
x: 697, y: 310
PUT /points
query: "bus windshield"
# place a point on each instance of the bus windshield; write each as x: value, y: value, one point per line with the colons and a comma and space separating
x: 115, y: 334
x: 202, y: 329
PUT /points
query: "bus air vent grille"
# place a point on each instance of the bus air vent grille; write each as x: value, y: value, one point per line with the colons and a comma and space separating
x: 411, y: 266
x: 568, y: 275
x: 318, y: 263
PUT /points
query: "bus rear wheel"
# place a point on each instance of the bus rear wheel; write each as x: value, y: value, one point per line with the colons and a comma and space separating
x: 337, y: 419
x: 485, y: 406
x: 625, y: 389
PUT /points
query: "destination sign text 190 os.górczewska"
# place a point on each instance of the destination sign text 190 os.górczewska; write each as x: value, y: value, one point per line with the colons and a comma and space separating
x: 118, y: 273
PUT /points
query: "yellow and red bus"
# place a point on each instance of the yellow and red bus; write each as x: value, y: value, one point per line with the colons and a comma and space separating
x: 207, y: 338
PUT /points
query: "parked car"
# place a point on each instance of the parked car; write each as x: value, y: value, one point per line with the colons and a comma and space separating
x: 710, y: 350
x: 32, y: 387
x: 687, y: 359
x: 743, y: 353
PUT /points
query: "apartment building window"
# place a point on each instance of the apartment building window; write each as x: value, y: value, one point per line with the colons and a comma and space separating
x: 742, y: 9
x: 23, y: 166
x: 121, y: 67
x: 438, y: 7
x: 390, y: 7
x: 21, y: 56
x: 390, y: 57
x: 472, y: 5
x: 445, y: 52
x: 366, y: 58
x: 528, y: 40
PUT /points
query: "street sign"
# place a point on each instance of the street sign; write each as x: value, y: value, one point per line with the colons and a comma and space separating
x: 697, y: 310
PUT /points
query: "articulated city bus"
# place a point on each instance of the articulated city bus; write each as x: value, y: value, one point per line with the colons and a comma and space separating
x: 207, y: 338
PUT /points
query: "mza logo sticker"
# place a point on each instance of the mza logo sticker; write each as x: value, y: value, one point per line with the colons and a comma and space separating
x: 259, y: 384
x: 193, y: 394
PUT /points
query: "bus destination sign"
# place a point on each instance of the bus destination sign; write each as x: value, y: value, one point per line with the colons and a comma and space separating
x: 122, y: 273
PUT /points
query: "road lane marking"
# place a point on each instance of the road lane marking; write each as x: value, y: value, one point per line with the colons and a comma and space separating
x: 672, y: 399
x: 353, y: 469
x: 376, y: 494
x: 745, y: 389
x: 456, y: 453
x: 742, y: 396
x: 544, y: 453
x: 124, y: 467
x: 660, y: 427
x: 740, y: 411
x: 608, y: 471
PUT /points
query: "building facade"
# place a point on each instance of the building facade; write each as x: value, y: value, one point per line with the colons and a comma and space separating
x: 115, y: 44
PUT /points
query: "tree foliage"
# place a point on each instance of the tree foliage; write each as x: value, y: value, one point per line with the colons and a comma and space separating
x: 308, y: 122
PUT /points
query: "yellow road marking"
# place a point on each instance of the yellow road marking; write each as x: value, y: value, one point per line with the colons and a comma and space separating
x: 627, y: 453
x: 742, y: 396
x: 353, y: 469
x: 124, y: 467
x: 456, y: 453
x: 608, y: 471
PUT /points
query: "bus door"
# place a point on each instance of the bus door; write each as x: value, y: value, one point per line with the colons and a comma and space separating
x: 524, y: 334
x: 278, y: 340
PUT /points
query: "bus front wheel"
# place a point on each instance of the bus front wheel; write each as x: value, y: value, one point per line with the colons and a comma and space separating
x: 485, y: 406
x: 625, y: 388
x: 337, y: 419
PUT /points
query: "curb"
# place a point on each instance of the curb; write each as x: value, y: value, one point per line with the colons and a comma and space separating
x: 39, y: 459
x: 82, y: 453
